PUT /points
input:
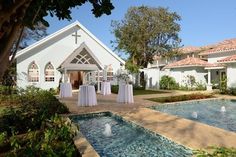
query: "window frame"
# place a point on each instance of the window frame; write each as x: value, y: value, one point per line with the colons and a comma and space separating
x: 33, y: 78
x: 47, y: 77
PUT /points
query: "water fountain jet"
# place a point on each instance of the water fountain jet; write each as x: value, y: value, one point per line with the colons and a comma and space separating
x: 107, y: 131
x: 194, y: 115
x: 222, y: 109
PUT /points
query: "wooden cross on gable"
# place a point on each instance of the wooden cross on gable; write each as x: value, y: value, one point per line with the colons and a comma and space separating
x: 76, y: 36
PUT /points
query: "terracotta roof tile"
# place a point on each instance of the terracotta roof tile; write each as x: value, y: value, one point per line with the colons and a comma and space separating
x: 189, y: 62
x: 189, y: 49
x: 224, y: 46
x: 228, y: 59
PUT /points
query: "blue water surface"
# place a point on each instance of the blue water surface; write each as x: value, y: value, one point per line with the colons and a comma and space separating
x: 208, y: 112
x: 127, y: 140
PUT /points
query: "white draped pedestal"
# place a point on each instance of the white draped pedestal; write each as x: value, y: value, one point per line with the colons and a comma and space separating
x: 105, y: 88
x: 125, y: 94
x: 65, y: 90
x: 87, y: 96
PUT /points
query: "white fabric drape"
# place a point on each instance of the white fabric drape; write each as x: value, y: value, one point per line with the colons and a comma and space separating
x: 105, y: 88
x: 125, y: 93
x: 65, y: 90
x: 87, y: 96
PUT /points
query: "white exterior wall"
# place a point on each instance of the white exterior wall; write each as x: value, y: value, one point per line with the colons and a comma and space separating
x: 56, y: 51
x: 180, y: 74
x: 213, y: 58
x: 152, y: 77
x: 231, y: 75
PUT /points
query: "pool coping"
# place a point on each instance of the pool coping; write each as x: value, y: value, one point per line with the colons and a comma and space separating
x: 81, y: 143
x: 180, y: 138
x: 84, y: 147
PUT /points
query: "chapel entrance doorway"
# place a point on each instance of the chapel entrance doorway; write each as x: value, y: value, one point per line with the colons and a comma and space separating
x: 76, y: 78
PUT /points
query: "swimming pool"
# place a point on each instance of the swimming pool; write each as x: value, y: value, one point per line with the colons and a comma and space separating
x: 126, y: 139
x: 215, y: 112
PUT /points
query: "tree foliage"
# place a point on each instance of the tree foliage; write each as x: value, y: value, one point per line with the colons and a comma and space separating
x: 17, y: 14
x: 145, y: 32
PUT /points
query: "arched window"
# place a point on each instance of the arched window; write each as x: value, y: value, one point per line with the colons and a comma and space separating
x: 110, y: 73
x: 49, y: 73
x: 33, y: 72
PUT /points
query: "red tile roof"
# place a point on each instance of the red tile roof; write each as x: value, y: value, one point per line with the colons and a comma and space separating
x: 182, y: 50
x: 224, y: 46
x: 228, y: 59
x: 190, y: 62
x: 189, y: 49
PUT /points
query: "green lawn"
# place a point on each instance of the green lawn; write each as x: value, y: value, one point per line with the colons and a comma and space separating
x: 181, y: 98
x: 138, y: 91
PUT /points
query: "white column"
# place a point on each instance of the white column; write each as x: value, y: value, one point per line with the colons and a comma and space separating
x: 209, y: 85
x: 98, y: 81
x: 85, y: 78
x: 88, y: 81
x: 68, y: 78
x: 64, y: 76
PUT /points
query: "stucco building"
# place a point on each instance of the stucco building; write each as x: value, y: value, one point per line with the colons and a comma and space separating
x: 208, y: 64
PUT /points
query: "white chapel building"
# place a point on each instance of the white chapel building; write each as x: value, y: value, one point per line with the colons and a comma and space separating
x: 72, y: 54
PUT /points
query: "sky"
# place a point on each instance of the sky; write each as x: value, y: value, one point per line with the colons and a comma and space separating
x: 203, y: 21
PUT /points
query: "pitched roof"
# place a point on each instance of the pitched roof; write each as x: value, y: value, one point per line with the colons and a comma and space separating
x: 83, y: 46
x: 189, y: 49
x: 189, y: 62
x: 182, y: 50
x: 224, y: 46
x: 228, y: 59
x: 72, y: 26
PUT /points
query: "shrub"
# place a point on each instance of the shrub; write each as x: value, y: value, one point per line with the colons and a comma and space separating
x: 55, y: 138
x: 183, y: 87
x: 139, y: 88
x: 200, y: 86
x: 27, y: 130
x: 54, y: 91
x: 3, y: 136
x: 114, y: 89
x: 223, y: 85
x: 168, y: 82
x: 196, y: 86
x: 34, y: 106
x: 231, y: 91
x: 215, y: 84
x: 7, y: 90
x: 9, y: 100
x: 191, y: 80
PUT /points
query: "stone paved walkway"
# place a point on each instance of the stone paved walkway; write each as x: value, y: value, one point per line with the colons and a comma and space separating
x: 186, y: 132
x: 108, y: 103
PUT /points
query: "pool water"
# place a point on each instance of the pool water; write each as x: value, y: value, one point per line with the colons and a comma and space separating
x: 204, y: 111
x: 126, y: 140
